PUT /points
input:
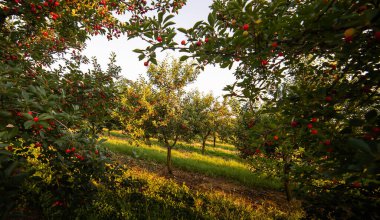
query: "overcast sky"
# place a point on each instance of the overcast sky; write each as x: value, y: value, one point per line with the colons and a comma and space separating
x: 213, y: 79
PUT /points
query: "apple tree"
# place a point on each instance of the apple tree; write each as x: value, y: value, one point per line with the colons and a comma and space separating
x: 43, y: 109
x: 314, y: 64
x: 135, y: 111
x: 198, y: 114
x: 169, y: 80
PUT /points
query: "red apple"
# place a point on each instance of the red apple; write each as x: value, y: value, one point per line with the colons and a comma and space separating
x: 348, y: 39
x: 264, y: 62
x: 356, y: 184
x: 245, y: 27
x: 183, y: 42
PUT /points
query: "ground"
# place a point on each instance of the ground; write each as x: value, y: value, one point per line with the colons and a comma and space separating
x: 203, y: 183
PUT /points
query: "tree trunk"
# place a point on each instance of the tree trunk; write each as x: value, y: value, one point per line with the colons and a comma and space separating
x: 169, y: 158
x: 214, y: 138
x: 203, y: 145
x: 286, y: 179
x: 204, y: 139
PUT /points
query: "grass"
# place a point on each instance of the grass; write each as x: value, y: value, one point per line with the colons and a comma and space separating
x: 221, y: 161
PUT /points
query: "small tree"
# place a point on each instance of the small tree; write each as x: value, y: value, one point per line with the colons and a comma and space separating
x: 168, y: 80
x: 199, y: 115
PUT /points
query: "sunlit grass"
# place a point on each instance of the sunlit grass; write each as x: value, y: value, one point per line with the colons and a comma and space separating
x: 218, y: 162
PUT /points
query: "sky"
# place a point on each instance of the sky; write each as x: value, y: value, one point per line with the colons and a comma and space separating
x: 212, y: 79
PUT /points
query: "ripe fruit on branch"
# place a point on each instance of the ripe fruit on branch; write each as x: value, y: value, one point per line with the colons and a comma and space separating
x: 206, y: 40
x: 313, y: 131
x: 294, y: 124
x: 245, y: 33
x: 35, y: 119
x: 183, y: 42
x: 159, y: 39
x: 327, y: 142
x: 274, y: 44
x: 54, y: 16
x: 264, y: 62
x: 314, y: 120
x: 245, y: 27
x: 356, y: 184
x: 199, y: 43
x: 146, y: 63
x: 275, y: 137
x: 310, y: 126
x: 349, y: 32
x: 328, y: 98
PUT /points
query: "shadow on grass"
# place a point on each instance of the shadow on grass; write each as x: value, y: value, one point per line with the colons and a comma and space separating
x: 211, y: 166
x: 220, y: 150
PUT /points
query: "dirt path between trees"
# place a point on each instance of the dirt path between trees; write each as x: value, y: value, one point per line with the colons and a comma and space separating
x: 203, y: 183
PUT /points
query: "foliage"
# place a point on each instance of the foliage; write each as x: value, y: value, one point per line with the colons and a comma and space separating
x: 156, y: 104
x: 198, y: 116
x: 312, y: 66
x: 58, y: 111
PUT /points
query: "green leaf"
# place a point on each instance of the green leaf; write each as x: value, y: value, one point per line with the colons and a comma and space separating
x: 166, y: 25
x: 28, y: 124
x: 211, y: 19
x: 141, y: 57
x: 182, y: 30
x: 160, y: 16
x: 27, y: 116
x: 45, y: 116
x: 168, y: 18
x: 183, y: 58
x: 138, y: 51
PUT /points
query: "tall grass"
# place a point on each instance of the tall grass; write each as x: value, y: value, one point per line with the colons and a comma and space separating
x: 221, y: 161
